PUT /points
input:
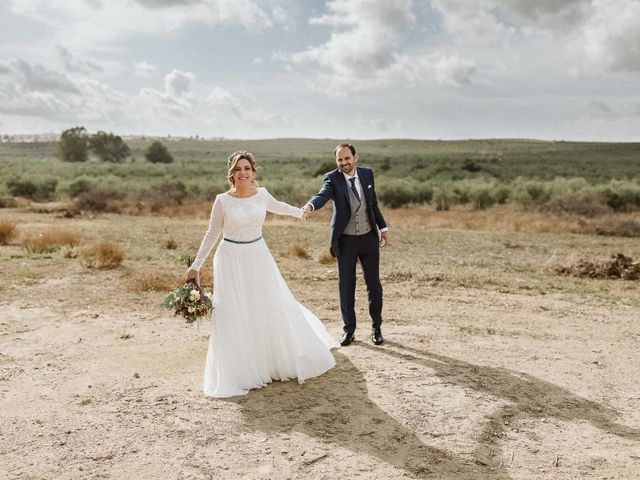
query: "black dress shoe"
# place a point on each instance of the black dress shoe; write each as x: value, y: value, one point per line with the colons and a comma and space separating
x: 376, y: 337
x: 346, y: 339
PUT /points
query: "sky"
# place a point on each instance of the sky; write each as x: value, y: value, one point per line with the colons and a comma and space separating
x: 347, y: 69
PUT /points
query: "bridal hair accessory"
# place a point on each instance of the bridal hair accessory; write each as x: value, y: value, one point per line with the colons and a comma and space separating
x: 189, y: 301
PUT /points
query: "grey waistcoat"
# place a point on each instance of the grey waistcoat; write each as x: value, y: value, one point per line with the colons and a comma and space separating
x: 359, y: 223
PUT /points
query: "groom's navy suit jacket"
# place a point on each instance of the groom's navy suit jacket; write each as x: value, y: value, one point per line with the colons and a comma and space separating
x: 335, y: 188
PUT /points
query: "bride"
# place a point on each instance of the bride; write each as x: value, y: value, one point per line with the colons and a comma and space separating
x: 260, y: 332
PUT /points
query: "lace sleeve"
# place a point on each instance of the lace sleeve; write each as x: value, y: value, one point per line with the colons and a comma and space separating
x: 281, y: 208
x: 212, y: 234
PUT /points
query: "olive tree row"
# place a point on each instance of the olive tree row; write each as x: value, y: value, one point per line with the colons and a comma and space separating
x: 75, y: 144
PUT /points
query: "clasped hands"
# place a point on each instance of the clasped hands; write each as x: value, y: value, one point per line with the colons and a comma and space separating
x: 306, y: 210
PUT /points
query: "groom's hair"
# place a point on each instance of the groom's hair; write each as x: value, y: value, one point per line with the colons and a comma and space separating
x: 347, y: 145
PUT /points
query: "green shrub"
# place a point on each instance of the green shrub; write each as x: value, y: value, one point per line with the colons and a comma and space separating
x: 502, y: 194
x: 529, y: 192
x: 585, y: 204
x: 622, y: 195
x: 40, y: 190
x: 109, y: 147
x: 99, y: 200
x: 165, y: 195
x: 324, y: 167
x: 443, y: 199
x: 397, y: 195
x: 482, y: 198
x: 158, y: 153
x: 21, y: 188
x: 74, y: 145
x: 79, y: 186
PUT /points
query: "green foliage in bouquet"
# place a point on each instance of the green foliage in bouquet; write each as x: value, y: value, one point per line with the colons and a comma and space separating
x: 189, y: 301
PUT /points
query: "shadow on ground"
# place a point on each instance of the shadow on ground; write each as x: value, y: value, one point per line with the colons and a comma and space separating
x: 527, y: 397
x: 335, y: 408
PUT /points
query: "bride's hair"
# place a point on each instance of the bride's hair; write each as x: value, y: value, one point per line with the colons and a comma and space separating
x: 234, y: 158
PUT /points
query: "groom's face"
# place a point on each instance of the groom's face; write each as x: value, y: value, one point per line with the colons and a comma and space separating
x: 346, y: 161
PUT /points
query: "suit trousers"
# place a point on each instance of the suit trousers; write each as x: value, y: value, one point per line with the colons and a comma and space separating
x: 365, y: 248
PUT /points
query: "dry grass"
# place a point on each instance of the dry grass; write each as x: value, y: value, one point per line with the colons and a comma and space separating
x: 50, y: 240
x: 499, y: 218
x: 297, y: 250
x: 8, y: 231
x: 104, y: 256
x: 8, y: 202
x: 190, y: 209
x: 326, y: 258
x: 206, y: 277
x: 51, y: 207
x: 619, y: 266
x: 171, y: 244
x: 616, y: 227
x: 153, y: 280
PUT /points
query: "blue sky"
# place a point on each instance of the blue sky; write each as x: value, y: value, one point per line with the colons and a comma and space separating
x: 431, y: 69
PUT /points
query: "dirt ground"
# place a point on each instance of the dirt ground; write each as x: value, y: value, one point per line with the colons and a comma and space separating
x: 494, y: 367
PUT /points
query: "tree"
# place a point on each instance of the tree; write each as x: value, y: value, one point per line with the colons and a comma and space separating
x: 109, y: 147
x: 158, y: 153
x: 74, y: 145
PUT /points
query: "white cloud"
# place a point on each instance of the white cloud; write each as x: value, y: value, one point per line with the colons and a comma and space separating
x: 365, y: 51
x: 166, y: 3
x: 39, y: 78
x: 601, y: 107
x: 178, y: 83
x: 620, y: 129
x: 365, y: 37
x: 35, y: 91
x: 604, y: 33
x: 610, y: 37
x: 544, y: 14
x: 186, y: 106
x: 47, y: 97
x: 76, y: 64
x: 454, y: 71
x: 493, y: 21
x: 89, y: 24
x: 471, y: 21
x: 144, y: 69
x: 33, y: 104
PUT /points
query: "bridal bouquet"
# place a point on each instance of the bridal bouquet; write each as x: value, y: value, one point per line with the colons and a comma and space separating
x: 189, y: 301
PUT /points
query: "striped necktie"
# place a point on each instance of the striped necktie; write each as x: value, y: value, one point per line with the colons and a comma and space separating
x: 353, y: 187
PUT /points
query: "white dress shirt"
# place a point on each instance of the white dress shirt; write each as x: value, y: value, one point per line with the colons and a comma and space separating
x: 357, y: 182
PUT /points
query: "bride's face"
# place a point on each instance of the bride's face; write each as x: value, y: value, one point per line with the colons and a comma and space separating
x: 243, y: 174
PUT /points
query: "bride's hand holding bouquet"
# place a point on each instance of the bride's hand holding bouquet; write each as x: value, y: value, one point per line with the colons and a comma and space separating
x: 189, y: 301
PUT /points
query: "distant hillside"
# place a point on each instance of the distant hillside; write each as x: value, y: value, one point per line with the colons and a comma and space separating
x: 423, y: 159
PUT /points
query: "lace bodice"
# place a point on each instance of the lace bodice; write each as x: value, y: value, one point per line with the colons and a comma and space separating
x: 240, y: 219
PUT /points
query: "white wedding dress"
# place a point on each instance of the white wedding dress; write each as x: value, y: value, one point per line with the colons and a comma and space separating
x: 260, y: 332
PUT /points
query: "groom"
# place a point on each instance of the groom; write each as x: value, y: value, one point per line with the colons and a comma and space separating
x: 358, y: 230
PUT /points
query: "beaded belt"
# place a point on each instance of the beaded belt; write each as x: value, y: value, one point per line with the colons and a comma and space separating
x: 241, y: 242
